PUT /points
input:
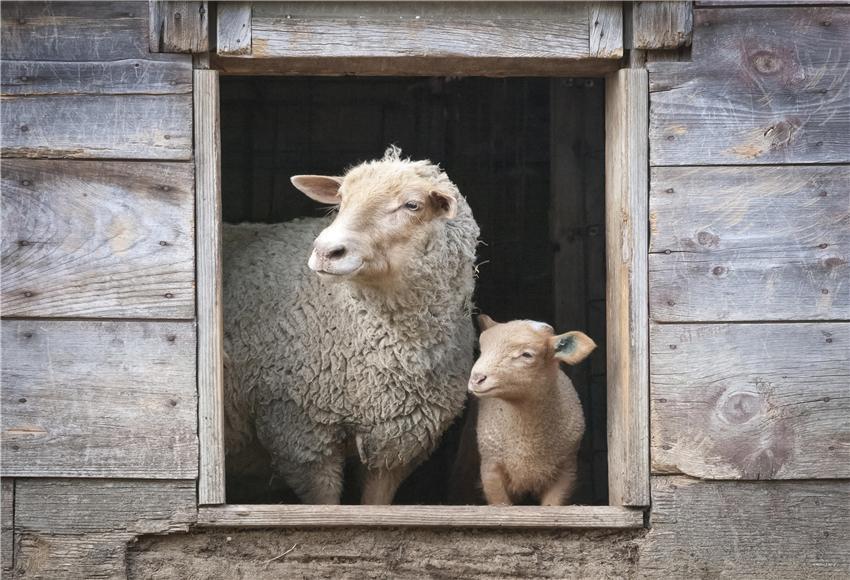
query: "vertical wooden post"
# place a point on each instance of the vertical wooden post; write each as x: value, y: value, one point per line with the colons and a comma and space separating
x: 209, y: 316
x: 626, y: 223
x: 178, y: 26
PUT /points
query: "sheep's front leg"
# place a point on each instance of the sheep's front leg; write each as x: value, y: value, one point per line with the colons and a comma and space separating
x: 495, y: 485
x: 560, y: 491
x: 380, y: 485
x: 318, y: 482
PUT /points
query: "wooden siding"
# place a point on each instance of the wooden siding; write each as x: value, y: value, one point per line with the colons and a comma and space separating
x: 81, y: 528
x: 178, y: 26
x: 750, y: 243
x: 751, y: 401
x: 99, y: 399
x: 98, y: 239
x: 7, y: 531
x: 764, y: 86
x: 661, y: 25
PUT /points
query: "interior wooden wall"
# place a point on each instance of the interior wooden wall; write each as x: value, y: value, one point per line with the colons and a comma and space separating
x: 521, y: 150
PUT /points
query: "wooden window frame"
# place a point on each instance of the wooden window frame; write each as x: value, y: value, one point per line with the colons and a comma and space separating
x: 626, y: 199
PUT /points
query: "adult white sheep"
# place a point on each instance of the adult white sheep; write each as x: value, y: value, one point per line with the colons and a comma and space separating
x: 364, y: 352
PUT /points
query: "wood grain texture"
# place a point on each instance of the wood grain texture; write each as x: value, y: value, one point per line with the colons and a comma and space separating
x: 743, y: 3
x: 210, y: 321
x: 7, y: 523
x: 751, y: 401
x: 233, y: 25
x: 152, y: 76
x: 374, y: 29
x: 606, y: 29
x: 176, y: 26
x: 99, y: 399
x: 626, y: 167
x: 264, y: 516
x: 749, y: 243
x: 765, y: 86
x: 97, y: 239
x: 98, y: 127
x: 662, y: 25
x: 74, y: 31
x: 797, y: 529
x: 81, y: 528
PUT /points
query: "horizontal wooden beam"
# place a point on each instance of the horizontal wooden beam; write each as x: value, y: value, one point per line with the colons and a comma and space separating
x: 265, y: 516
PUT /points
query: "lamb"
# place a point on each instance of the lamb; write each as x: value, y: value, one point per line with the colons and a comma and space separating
x: 530, y: 421
x: 363, y: 350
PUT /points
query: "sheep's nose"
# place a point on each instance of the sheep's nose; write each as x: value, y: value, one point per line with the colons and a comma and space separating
x: 478, y: 378
x: 332, y: 253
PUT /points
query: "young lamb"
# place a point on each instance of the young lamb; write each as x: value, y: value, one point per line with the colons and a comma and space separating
x: 530, y: 420
x: 364, y: 349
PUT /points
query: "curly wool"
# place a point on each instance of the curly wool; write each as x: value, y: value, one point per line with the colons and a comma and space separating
x: 317, y: 369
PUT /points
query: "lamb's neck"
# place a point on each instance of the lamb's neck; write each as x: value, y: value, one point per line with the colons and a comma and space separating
x: 534, y: 411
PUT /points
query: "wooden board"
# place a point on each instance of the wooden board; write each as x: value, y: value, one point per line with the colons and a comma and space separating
x: 98, y: 127
x: 234, y: 28
x: 151, y: 76
x: 765, y: 86
x: 97, y: 239
x: 754, y: 243
x: 99, y: 399
x: 7, y: 518
x: 264, y: 516
x: 178, y: 26
x: 81, y: 528
x: 74, y: 31
x: 797, y: 529
x: 751, y: 401
x: 210, y: 317
x: 661, y: 25
x: 627, y: 316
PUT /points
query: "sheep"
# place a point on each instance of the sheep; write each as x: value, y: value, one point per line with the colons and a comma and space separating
x: 530, y: 420
x: 364, y: 349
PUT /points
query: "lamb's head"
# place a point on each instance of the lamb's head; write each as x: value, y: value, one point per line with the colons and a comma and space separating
x: 389, y: 210
x: 521, y: 356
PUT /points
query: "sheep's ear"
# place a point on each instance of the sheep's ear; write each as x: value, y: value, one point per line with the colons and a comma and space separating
x: 572, y: 347
x: 322, y: 188
x: 485, y: 322
x: 445, y: 202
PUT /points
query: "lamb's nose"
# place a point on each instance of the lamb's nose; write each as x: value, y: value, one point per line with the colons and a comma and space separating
x: 478, y: 378
x: 332, y: 253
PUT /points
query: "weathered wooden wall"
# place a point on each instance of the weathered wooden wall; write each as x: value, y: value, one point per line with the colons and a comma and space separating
x: 99, y: 421
x: 749, y: 366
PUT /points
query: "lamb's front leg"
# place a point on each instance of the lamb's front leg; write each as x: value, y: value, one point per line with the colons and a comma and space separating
x: 380, y: 485
x: 561, y: 490
x: 495, y: 487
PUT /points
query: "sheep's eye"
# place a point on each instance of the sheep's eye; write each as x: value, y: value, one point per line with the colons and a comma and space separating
x: 527, y: 354
x: 412, y: 205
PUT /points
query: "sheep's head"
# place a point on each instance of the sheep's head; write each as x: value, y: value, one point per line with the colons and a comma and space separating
x: 389, y: 209
x: 520, y: 356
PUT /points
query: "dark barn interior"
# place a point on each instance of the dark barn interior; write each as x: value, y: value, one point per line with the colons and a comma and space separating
x: 527, y: 153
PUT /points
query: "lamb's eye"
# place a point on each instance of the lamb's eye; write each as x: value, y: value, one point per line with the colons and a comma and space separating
x: 412, y: 205
x: 527, y: 354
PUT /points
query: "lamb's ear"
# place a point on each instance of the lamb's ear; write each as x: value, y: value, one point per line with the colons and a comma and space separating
x: 446, y: 203
x: 485, y: 322
x: 322, y: 188
x: 572, y: 347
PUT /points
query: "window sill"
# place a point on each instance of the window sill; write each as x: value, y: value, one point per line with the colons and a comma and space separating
x: 268, y: 516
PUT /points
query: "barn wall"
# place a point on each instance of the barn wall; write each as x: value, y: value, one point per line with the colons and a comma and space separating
x: 750, y: 378
x: 99, y: 422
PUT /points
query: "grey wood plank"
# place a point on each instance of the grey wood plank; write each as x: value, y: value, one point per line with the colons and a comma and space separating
x: 626, y: 178
x: 150, y: 76
x: 376, y: 29
x: 754, y: 243
x: 751, y: 401
x: 798, y: 529
x: 662, y: 25
x: 606, y: 29
x: 178, y: 26
x: 7, y: 523
x: 765, y: 86
x: 263, y: 516
x: 98, y: 127
x: 74, y: 31
x: 210, y: 321
x: 234, y: 28
x: 81, y: 528
x: 99, y: 399
x: 97, y: 239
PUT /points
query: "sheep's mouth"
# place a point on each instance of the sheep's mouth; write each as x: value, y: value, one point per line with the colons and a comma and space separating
x: 482, y: 392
